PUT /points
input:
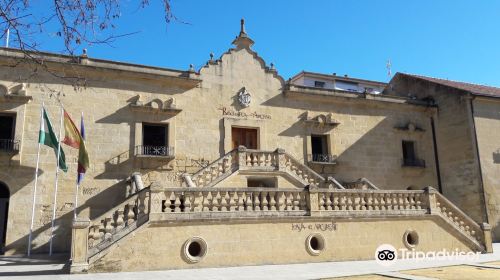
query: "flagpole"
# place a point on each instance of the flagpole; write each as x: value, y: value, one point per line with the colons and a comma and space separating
x: 78, y: 173
x: 34, y: 187
x: 55, y: 188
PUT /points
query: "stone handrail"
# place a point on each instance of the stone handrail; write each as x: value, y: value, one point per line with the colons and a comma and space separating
x: 363, y: 200
x: 118, y: 221
x: 456, y: 216
x: 257, y: 158
x: 361, y: 184
x: 219, y: 201
x: 306, y: 174
x: 216, y: 170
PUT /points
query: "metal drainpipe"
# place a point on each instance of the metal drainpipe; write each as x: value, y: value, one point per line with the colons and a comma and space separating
x: 471, y: 99
x: 436, y: 156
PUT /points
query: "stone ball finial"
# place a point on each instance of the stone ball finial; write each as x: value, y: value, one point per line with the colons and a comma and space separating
x: 84, y: 53
x: 191, y: 68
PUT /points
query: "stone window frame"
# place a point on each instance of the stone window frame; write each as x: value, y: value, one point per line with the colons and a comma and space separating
x: 312, y: 130
x: 260, y: 125
x: 151, y: 119
x: 19, y: 113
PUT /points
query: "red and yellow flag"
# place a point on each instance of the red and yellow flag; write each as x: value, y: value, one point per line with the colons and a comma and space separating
x: 74, y: 139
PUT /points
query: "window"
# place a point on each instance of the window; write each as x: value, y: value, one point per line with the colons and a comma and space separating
x: 409, y: 150
x: 409, y: 155
x: 154, y: 140
x: 7, y: 127
x: 244, y: 137
x: 345, y: 85
x: 319, y: 149
x: 319, y: 84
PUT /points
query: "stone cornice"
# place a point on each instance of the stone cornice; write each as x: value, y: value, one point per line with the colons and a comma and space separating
x: 297, y: 91
x: 7, y: 55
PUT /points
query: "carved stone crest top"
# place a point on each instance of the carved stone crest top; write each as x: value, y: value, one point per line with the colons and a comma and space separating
x: 244, y: 97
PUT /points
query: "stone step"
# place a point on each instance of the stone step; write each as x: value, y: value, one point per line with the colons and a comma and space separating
x: 34, y: 265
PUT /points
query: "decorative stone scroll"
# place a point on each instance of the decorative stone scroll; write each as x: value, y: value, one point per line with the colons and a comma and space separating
x: 155, y: 106
x: 410, y: 127
x: 321, y: 120
x: 15, y: 93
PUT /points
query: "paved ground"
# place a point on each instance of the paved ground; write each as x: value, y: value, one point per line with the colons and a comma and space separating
x: 486, y: 267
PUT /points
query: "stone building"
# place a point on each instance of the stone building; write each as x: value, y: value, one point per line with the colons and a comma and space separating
x: 233, y: 165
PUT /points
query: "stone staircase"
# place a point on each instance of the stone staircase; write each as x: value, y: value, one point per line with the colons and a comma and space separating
x: 256, y: 160
x: 201, y: 200
x: 118, y: 222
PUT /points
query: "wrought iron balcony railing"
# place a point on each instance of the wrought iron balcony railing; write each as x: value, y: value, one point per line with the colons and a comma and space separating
x: 9, y: 145
x: 156, y: 151
x: 413, y: 162
x: 322, y: 158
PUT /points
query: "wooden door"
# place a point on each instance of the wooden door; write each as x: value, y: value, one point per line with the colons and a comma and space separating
x: 244, y: 137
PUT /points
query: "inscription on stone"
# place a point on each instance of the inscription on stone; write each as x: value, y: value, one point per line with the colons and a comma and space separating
x: 331, y: 226
x: 90, y: 191
x: 230, y: 112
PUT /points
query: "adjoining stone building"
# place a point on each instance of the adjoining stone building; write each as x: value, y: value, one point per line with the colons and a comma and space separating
x: 233, y: 165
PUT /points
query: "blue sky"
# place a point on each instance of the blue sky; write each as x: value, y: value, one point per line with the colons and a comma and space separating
x: 457, y: 40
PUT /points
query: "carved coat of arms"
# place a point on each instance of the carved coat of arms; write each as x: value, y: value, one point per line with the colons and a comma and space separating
x: 244, y: 98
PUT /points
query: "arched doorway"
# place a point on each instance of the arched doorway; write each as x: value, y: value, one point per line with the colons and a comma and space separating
x: 4, y: 212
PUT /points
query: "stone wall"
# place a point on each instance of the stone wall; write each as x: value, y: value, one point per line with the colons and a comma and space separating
x: 487, y: 121
x: 270, y: 242
x: 458, y: 163
x: 366, y: 141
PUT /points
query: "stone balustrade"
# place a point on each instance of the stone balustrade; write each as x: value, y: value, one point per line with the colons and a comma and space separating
x: 247, y: 159
x: 455, y: 216
x: 215, y: 202
x: 216, y: 171
x: 371, y: 201
x: 117, y: 222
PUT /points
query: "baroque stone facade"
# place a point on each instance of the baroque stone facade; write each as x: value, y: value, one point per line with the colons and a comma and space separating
x: 249, y: 145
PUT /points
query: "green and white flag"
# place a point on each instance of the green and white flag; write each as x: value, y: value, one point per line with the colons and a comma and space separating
x: 48, y: 137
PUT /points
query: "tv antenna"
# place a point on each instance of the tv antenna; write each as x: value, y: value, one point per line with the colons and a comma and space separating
x: 388, y: 66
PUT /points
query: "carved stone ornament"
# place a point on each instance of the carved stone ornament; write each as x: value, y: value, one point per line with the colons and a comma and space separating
x: 244, y: 98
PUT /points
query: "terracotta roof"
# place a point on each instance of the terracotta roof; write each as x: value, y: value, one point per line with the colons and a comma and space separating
x: 475, y: 89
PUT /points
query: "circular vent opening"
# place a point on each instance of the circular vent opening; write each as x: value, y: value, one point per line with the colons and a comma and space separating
x: 410, y: 239
x: 315, y: 244
x: 194, y: 249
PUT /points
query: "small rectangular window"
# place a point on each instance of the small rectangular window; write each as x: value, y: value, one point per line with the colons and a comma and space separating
x: 154, y: 135
x: 7, y: 132
x: 319, y: 149
x: 409, y: 150
x: 155, y: 141
x: 409, y: 155
x: 319, y: 84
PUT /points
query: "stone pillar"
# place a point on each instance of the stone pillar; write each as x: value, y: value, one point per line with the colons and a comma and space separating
x: 313, y: 200
x: 242, y: 157
x: 430, y: 193
x: 79, y: 245
x: 157, y: 197
x: 487, y: 237
x: 281, y: 160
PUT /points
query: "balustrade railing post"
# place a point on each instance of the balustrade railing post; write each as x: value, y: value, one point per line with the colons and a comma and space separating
x: 430, y: 193
x: 157, y: 196
x: 281, y: 160
x: 79, y: 245
x: 242, y: 156
x: 487, y: 237
x: 312, y: 198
